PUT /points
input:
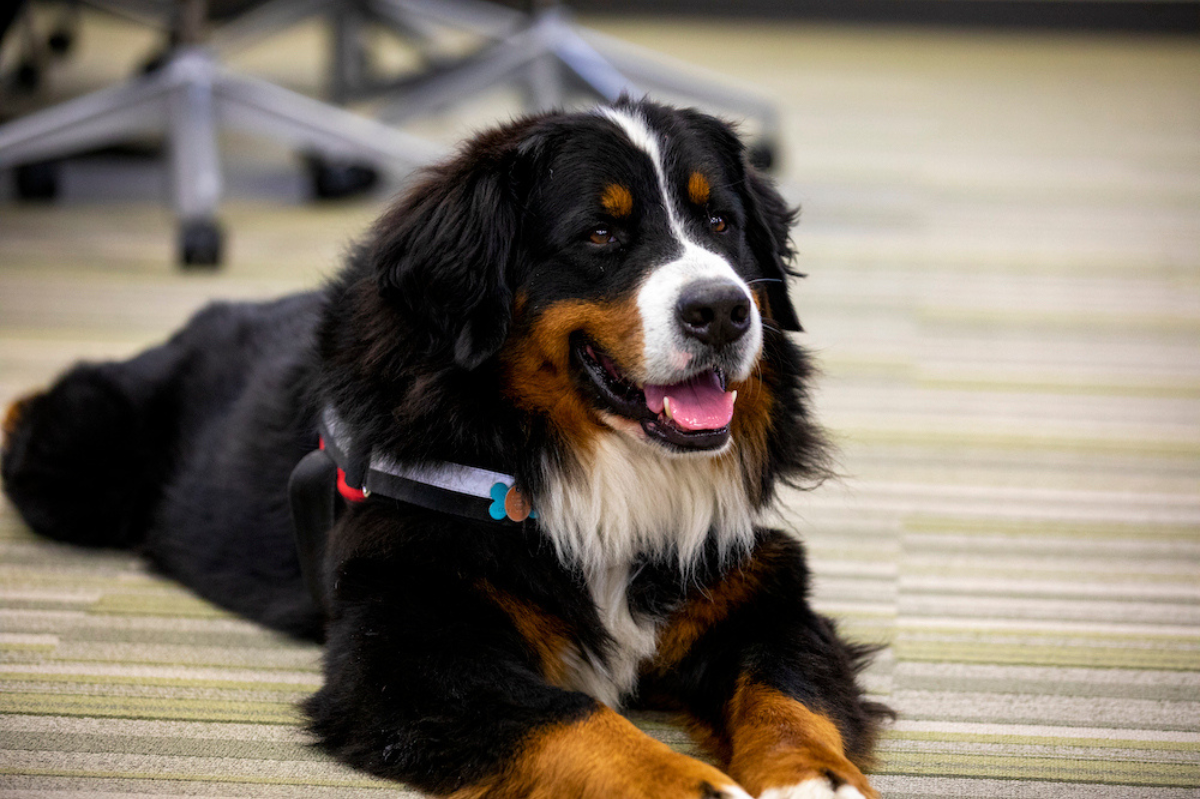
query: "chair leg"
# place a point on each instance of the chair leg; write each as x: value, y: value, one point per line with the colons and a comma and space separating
x: 676, y: 78
x: 547, y: 51
x: 265, y: 20
x: 597, y: 72
x: 306, y: 124
x: 195, y: 163
x: 498, y: 63
x: 348, y: 71
x: 192, y: 138
x: 544, y: 82
x: 108, y: 116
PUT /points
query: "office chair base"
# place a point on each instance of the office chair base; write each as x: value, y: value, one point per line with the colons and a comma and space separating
x: 550, y: 56
x: 189, y: 100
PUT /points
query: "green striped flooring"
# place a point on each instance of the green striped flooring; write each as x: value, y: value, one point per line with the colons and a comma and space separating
x: 1002, y: 235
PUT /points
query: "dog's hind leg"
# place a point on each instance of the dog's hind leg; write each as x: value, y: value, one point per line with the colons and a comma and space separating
x: 83, y: 461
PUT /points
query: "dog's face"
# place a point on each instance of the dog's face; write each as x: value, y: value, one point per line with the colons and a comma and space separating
x: 620, y: 266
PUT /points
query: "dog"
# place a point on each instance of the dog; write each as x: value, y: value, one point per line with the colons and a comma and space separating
x: 556, y: 384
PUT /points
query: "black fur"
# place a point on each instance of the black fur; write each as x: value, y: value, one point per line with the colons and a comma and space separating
x: 184, y: 453
x: 781, y: 643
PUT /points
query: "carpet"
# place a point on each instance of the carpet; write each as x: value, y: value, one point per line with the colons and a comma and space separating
x: 1002, y: 235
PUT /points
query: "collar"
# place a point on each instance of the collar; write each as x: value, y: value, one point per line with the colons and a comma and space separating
x: 467, y: 491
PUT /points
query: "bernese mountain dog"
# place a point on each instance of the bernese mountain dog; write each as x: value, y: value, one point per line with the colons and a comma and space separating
x: 556, y: 384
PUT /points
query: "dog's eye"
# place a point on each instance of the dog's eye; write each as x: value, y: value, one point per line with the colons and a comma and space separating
x: 717, y: 223
x: 602, y: 236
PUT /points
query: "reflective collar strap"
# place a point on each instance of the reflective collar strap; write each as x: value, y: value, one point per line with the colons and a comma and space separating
x: 447, y: 487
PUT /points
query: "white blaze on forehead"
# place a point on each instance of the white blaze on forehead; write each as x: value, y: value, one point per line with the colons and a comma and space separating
x: 643, y: 138
x: 637, y: 130
x: 666, y: 360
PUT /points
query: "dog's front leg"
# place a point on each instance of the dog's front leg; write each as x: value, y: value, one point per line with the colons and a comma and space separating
x: 783, y: 748
x: 768, y: 683
x: 432, y: 680
x: 601, y: 756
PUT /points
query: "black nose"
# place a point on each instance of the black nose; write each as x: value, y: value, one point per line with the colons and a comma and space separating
x: 716, y: 312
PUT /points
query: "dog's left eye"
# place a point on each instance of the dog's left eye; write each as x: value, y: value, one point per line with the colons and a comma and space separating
x: 602, y: 236
x: 717, y: 223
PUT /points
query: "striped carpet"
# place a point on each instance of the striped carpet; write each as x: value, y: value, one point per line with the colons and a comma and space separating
x: 1003, y: 240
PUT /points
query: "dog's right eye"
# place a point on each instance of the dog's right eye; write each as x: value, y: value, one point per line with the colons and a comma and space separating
x: 602, y: 236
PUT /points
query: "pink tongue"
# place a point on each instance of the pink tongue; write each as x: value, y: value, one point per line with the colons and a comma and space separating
x: 696, y: 404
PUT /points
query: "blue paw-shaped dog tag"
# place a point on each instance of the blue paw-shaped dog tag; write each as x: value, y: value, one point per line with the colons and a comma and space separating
x: 509, y: 503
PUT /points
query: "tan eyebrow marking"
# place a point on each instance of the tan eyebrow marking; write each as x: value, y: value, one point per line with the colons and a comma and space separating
x: 698, y: 189
x: 617, y: 200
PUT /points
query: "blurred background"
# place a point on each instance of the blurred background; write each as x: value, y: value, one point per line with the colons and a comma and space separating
x: 1001, y: 230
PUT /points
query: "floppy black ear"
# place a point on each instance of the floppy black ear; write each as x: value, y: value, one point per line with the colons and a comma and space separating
x: 443, y: 256
x: 768, y: 232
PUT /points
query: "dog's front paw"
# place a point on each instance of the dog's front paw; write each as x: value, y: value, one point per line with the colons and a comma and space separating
x: 817, y: 788
x: 601, y: 757
x: 727, y: 791
x: 784, y: 750
x: 800, y: 775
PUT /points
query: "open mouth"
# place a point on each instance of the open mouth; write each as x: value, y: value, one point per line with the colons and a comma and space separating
x: 690, y: 415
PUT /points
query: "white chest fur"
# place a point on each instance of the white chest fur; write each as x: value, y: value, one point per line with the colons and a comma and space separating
x: 626, y: 501
x: 609, y: 675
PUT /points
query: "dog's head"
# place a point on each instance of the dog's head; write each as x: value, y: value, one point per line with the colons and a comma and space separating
x: 621, y: 268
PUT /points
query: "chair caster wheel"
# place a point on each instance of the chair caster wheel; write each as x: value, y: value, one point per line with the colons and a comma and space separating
x: 27, y: 77
x: 200, y: 244
x: 61, y: 41
x: 38, y: 181
x: 333, y: 180
x: 762, y: 155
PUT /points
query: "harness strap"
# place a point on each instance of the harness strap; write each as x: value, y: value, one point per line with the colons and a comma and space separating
x: 312, y: 492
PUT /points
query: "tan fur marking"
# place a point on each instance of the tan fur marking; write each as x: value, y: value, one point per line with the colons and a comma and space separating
x: 776, y: 742
x: 538, y: 378
x: 617, y: 200
x: 601, y: 757
x: 537, y: 362
x: 12, y: 417
x: 698, y: 189
x: 703, y: 609
x: 545, y: 634
x: 751, y: 428
x: 751, y: 425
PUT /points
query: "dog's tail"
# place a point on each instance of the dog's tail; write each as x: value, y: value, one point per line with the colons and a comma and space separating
x: 82, y: 462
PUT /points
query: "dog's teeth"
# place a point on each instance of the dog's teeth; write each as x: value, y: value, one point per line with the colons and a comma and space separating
x: 667, y: 408
x: 734, y: 397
